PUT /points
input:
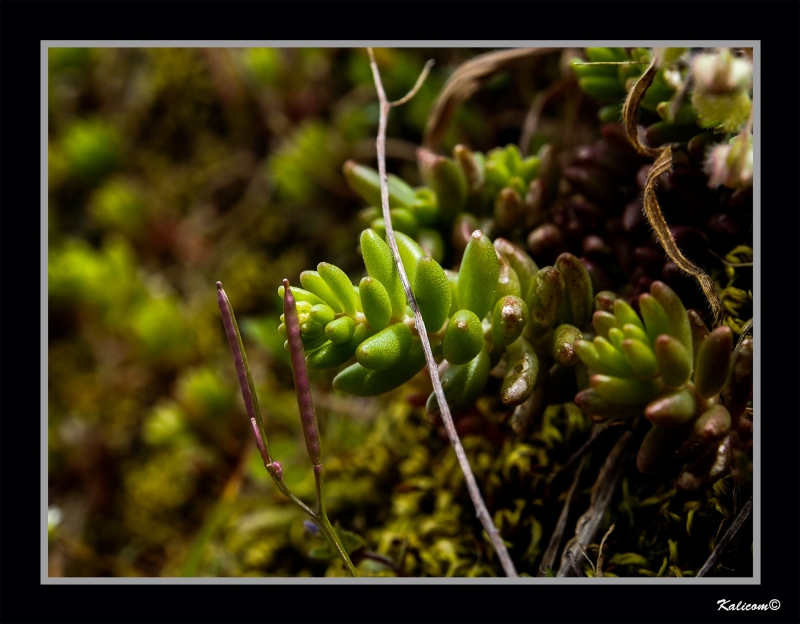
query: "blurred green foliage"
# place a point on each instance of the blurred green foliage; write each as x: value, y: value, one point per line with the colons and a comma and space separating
x: 172, y: 168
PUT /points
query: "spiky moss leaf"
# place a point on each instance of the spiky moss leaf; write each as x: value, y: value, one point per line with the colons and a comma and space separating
x: 410, y: 253
x: 365, y: 181
x: 674, y: 361
x: 463, y: 338
x: 478, y: 275
x: 713, y: 362
x: 640, y: 357
x: 386, y: 348
x: 331, y: 355
x: 302, y: 295
x: 433, y: 292
x: 522, y: 368
x: 341, y: 330
x: 546, y: 295
x: 360, y: 381
x: 380, y: 264
x: 626, y: 391
x: 577, y: 289
x: 521, y: 262
x: 375, y: 302
x: 463, y: 384
x: 672, y: 408
x: 313, y: 283
x: 508, y: 320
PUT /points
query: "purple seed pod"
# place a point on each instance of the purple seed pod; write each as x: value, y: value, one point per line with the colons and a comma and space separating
x: 305, y: 403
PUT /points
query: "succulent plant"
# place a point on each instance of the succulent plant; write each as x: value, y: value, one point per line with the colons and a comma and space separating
x: 688, y: 382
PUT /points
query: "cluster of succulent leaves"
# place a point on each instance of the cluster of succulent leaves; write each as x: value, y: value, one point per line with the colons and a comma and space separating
x: 699, y: 98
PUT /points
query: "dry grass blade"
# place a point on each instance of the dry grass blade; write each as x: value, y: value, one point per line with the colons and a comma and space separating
x: 464, y: 82
x: 469, y: 477
x: 555, y: 539
x: 600, y: 554
x: 588, y: 524
x: 663, y: 164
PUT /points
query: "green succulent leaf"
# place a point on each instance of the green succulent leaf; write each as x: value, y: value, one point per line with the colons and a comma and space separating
x: 478, y: 275
x: 386, y: 348
x: 364, y: 382
x: 626, y: 391
x: 433, y: 292
x: 375, y: 302
x: 522, y: 368
x: 302, y: 295
x: 312, y: 281
x: 340, y: 330
x: 410, y: 253
x: 380, y: 265
x: 563, y: 344
x: 546, y: 295
x: 463, y: 384
x: 340, y: 286
x: 322, y: 314
x: 672, y: 408
x: 640, y: 357
x: 655, y: 317
x: 463, y: 338
x: 331, y: 355
x: 674, y: 361
x: 676, y: 313
x: 713, y: 362
x: 508, y: 320
x: 577, y: 289
x: 365, y: 181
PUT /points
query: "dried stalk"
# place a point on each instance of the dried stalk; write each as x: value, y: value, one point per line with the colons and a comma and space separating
x: 555, y: 539
x: 729, y: 535
x: 662, y: 164
x: 589, y: 523
x: 469, y: 477
x: 464, y: 82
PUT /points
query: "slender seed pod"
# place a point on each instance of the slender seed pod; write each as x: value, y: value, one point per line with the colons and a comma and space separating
x: 508, y: 320
x: 462, y: 384
x: 672, y: 408
x: 386, y: 348
x: 410, y: 253
x: 322, y: 314
x: 331, y: 355
x: 655, y: 318
x: 305, y: 403
x: 626, y: 391
x: 340, y: 286
x: 713, y: 362
x: 433, y: 293
x: 375, y: 302
x: 380, y: 265
x: 521, y: 371
x: 546, y: 295
x: 478, y: 275
x: 363, y: 382
x: 340, y: 330
x: 521, y: 262
x: 365, y: 181
x: 463, y: 338
x: 674, y: 361
x: 302, y: 295
x: 313, y: 282
x: 577, y: 289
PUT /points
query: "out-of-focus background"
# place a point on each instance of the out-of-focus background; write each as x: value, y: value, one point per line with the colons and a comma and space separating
x: 170, y: 169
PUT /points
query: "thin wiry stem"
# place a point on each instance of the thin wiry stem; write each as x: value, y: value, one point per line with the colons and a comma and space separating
x: 729, y: 534
x: 469, y: 477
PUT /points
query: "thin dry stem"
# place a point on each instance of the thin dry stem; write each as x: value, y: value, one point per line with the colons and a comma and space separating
x: 469, y: 477
x: 599, y: 570
x: 708, y: 566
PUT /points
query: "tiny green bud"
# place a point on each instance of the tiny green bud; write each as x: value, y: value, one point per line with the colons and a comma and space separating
x: 341, y: 330
x: 313, y: 282
x: 322, y: 314
x: 340, y: 286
